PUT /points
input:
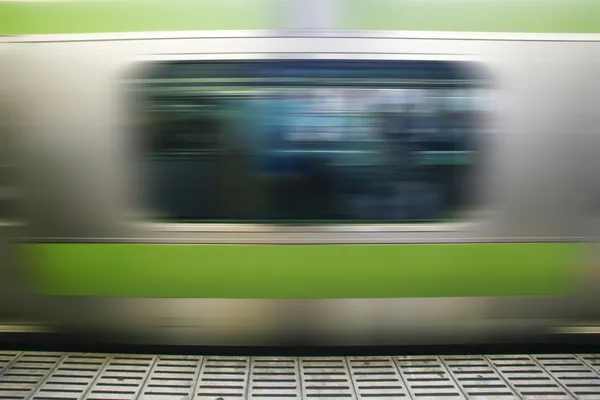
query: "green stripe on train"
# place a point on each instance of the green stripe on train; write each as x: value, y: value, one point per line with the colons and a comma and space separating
x: 89, y: 16
x: 526, y: 16
x: 93, y: 16
x: 302, y: 271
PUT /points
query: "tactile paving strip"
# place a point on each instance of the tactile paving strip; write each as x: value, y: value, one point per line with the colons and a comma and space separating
x: 86, y: 376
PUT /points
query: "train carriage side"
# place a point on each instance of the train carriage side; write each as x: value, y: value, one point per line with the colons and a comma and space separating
x: 260, y: 187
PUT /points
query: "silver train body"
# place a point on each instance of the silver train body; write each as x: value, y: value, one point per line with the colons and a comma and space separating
x: 69, y: 125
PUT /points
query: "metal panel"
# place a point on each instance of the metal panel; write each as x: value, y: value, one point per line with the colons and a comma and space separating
x: 82, y: 179
x: 101, y: 174
x: 324, y: 321
x: 207, y: 34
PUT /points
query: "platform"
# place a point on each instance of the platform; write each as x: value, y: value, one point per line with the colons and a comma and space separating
x: 55, y: 375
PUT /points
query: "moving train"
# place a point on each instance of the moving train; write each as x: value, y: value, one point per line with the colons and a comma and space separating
x: 329, y: 174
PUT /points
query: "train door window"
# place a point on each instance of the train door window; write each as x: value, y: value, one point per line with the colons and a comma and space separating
x: 310, y: 141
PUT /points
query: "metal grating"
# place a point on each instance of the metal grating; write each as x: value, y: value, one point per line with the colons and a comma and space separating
x: 71, y: 378
x: 7, y: 358
x: 84, y: 376
x: 428, y: 378
x: 275, y: 377
x: 528, y: 378
x: 326, y: 377
x: 172, y: 377
x: 478, y: 378
x: 121, y: 378
x: 21, y: 378
x: 223, y: 378
x: 376, y: 378
x: 578, y: 378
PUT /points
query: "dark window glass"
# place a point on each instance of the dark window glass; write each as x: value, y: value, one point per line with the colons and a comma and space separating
x: 300, y: 141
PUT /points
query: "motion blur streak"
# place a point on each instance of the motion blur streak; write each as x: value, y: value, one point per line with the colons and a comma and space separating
x: 282, y: 172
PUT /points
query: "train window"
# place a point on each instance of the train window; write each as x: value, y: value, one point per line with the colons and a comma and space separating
x: 310, y: 141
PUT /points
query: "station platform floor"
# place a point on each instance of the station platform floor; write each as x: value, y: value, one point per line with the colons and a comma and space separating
x: 43, y: 375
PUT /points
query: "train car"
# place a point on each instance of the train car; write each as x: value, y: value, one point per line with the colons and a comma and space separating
x: 343, y: 173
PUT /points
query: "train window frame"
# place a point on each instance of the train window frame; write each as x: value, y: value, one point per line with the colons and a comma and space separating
x: 468, y: 219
